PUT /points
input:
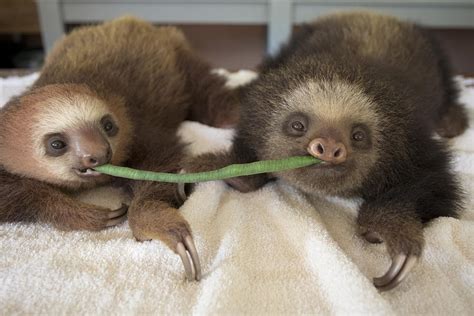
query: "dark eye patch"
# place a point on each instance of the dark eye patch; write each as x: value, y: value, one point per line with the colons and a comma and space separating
x: 361, y: 136
x: 296, y: 124
x: 109, y: 126
x: 55, y: 144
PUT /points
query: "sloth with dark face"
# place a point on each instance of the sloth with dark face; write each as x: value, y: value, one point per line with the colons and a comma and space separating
x: 364, y: 93
x: 329, y: 119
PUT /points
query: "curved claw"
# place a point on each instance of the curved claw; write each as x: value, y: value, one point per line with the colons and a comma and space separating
x: 116, y: 221
x: 119, y: 212
x: 373, y: 237
x: 192, y: 268
x: 189, y: 243
x: 183, y: 190
x: 181, y: 250
x: 118, y: 216
x: 399, y: 269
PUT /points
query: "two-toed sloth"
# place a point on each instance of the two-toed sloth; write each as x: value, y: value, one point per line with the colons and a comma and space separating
x: 114, y: 93
x: 364, y: 93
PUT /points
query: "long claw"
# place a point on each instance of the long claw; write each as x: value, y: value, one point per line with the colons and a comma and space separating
x: 373, y: 237
x: 181, y: 195
x: 386, y: 279
x: 189, y: 243
x: 118, y: 212
x: 181, y: 250
x: 118, y: 216
x: 117, y: 220
x: 407, y: 267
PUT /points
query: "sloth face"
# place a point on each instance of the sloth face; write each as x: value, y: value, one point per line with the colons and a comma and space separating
x: 84, y: 147
x: 69, y: 132
x: 332, y: 121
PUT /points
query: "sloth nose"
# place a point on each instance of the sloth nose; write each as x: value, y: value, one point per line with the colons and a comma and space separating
x: 97, y: 159
x: 328, y: 149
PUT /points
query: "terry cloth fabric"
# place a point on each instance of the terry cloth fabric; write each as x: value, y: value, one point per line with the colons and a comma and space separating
x: 265, y: 252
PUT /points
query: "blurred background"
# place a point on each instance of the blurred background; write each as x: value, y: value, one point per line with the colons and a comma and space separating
x: 233, y: 34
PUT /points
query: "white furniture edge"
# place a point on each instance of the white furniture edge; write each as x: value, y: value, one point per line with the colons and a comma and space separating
x: 278, y: 15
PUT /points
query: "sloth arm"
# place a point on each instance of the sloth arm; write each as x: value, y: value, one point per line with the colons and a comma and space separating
x: 153, y: 212
x: 394, y: 221
x: 397, y: 216
x: 28, y: 200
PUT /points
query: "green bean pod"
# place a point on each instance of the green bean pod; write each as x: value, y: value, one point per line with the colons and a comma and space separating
x: 231, y: 171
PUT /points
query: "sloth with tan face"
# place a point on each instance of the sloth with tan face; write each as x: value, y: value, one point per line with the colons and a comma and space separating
x: 114, y: 93
x: 365, y: 93
x: 65, y: 130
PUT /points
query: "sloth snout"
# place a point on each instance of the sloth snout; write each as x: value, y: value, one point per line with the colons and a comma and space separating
x: 99, y: 158
x: 328, y: 149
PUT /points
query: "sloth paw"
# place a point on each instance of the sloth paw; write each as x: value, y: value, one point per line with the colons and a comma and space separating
x: 168, y: 226
x: 92, y: 218
x: 403, y: 238
x: 404, y: 249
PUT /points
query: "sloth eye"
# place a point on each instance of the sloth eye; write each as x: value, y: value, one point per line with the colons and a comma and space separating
x: 298, y: 126
x: 358, y: 136
x: 361, y: 137
x: 55, y: 145
x: 109, y: 126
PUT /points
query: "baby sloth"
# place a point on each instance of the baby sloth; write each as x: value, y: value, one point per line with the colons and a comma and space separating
x: 114, y: 93
x: 364, y: 93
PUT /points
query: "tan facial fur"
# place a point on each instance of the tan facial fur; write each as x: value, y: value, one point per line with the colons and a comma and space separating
x: 332, y: 108
x: 57, y: 109
x: 332, y: 100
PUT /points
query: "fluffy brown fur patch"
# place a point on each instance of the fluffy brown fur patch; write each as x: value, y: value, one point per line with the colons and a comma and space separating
x: 367, y: 72
x: 147, y: 80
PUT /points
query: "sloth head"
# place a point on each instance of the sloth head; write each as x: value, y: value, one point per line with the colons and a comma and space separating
x: 59, y: 133
x: 333, y: 120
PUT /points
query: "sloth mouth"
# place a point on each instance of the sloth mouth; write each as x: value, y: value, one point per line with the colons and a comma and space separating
x: 325, y: 164
x: 329, y: 167
x: 87, y: 172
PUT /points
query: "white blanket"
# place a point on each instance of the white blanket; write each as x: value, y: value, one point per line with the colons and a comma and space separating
x: 264, y: 252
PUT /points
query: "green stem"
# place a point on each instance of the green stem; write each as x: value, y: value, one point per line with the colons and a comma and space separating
x: 232, y: 171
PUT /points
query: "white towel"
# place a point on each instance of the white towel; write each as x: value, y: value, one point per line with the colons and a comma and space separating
x: 264, y: 252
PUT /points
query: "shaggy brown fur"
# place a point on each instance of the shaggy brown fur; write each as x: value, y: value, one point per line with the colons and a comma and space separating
x: 115, y: 93
x: 149, y: 66
x: 376, y: 89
